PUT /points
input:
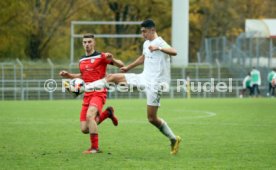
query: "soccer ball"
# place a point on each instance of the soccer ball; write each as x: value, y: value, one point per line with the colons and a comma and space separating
x: 77, y: 86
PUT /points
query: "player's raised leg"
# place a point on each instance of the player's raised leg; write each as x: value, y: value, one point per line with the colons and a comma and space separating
x: 104, y: 83
x: 108, y: 113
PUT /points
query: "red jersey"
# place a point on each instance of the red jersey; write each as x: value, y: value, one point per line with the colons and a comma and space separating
x: 93, y: 67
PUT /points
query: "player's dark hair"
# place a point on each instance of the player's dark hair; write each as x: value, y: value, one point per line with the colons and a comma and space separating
x: 148, y: 23
x: 88, y: 35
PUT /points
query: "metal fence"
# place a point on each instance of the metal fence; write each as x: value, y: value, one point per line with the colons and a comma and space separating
x: 25, y: 81
x: 243, y: 51
x: 219, y: 59
x: 241, y: 54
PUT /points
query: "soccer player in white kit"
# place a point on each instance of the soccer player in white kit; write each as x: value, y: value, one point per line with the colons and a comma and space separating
x: 155, y: 76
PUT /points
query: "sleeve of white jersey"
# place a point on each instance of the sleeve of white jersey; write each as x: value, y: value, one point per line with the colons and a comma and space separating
x: 164, y: 44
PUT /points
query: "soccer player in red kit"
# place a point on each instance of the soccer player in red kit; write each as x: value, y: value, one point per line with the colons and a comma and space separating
x: 93, y: 67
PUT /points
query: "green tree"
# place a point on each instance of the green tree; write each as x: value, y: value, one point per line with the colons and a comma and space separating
x: 46, y: 19
x: 10, y: 36
x: 127, y: 48
x: 41, y: 28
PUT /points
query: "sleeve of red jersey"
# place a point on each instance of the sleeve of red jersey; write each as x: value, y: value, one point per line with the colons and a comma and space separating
x: 105, y: 59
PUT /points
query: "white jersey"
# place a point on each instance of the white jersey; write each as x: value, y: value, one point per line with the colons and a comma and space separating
x: 156, y: 63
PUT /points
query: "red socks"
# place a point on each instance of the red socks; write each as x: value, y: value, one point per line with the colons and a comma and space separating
x: 94, y: 141
x: 94, y: 137
x: 103, y: 116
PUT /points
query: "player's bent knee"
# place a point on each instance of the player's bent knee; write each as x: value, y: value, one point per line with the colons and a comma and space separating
x: 85, y: 131
x: 154, y: 121
x: 151, y: 120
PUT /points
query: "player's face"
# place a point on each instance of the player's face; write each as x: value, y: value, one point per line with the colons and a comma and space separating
x: 88, y: 44
x: 147, y: 33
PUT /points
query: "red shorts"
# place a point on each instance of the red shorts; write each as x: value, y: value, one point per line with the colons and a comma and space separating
x: 92, y: 100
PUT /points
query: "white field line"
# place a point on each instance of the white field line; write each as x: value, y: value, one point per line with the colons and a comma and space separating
x: 206, y: 114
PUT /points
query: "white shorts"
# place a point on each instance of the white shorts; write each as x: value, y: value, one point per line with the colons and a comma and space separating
x: 153, y: 94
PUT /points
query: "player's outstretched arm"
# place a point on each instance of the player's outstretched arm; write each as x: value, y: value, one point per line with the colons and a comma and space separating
x: 116, y: 62
x: 68, y: 75
x: 138, y: 61
x: 171, y: 51
x: 168, y: 50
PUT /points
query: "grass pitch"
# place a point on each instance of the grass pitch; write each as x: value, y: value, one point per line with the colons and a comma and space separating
x: 216, y: 133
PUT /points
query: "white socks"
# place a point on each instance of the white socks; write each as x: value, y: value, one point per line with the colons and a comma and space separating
x: 96, y: 85
x: 166, y: 130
